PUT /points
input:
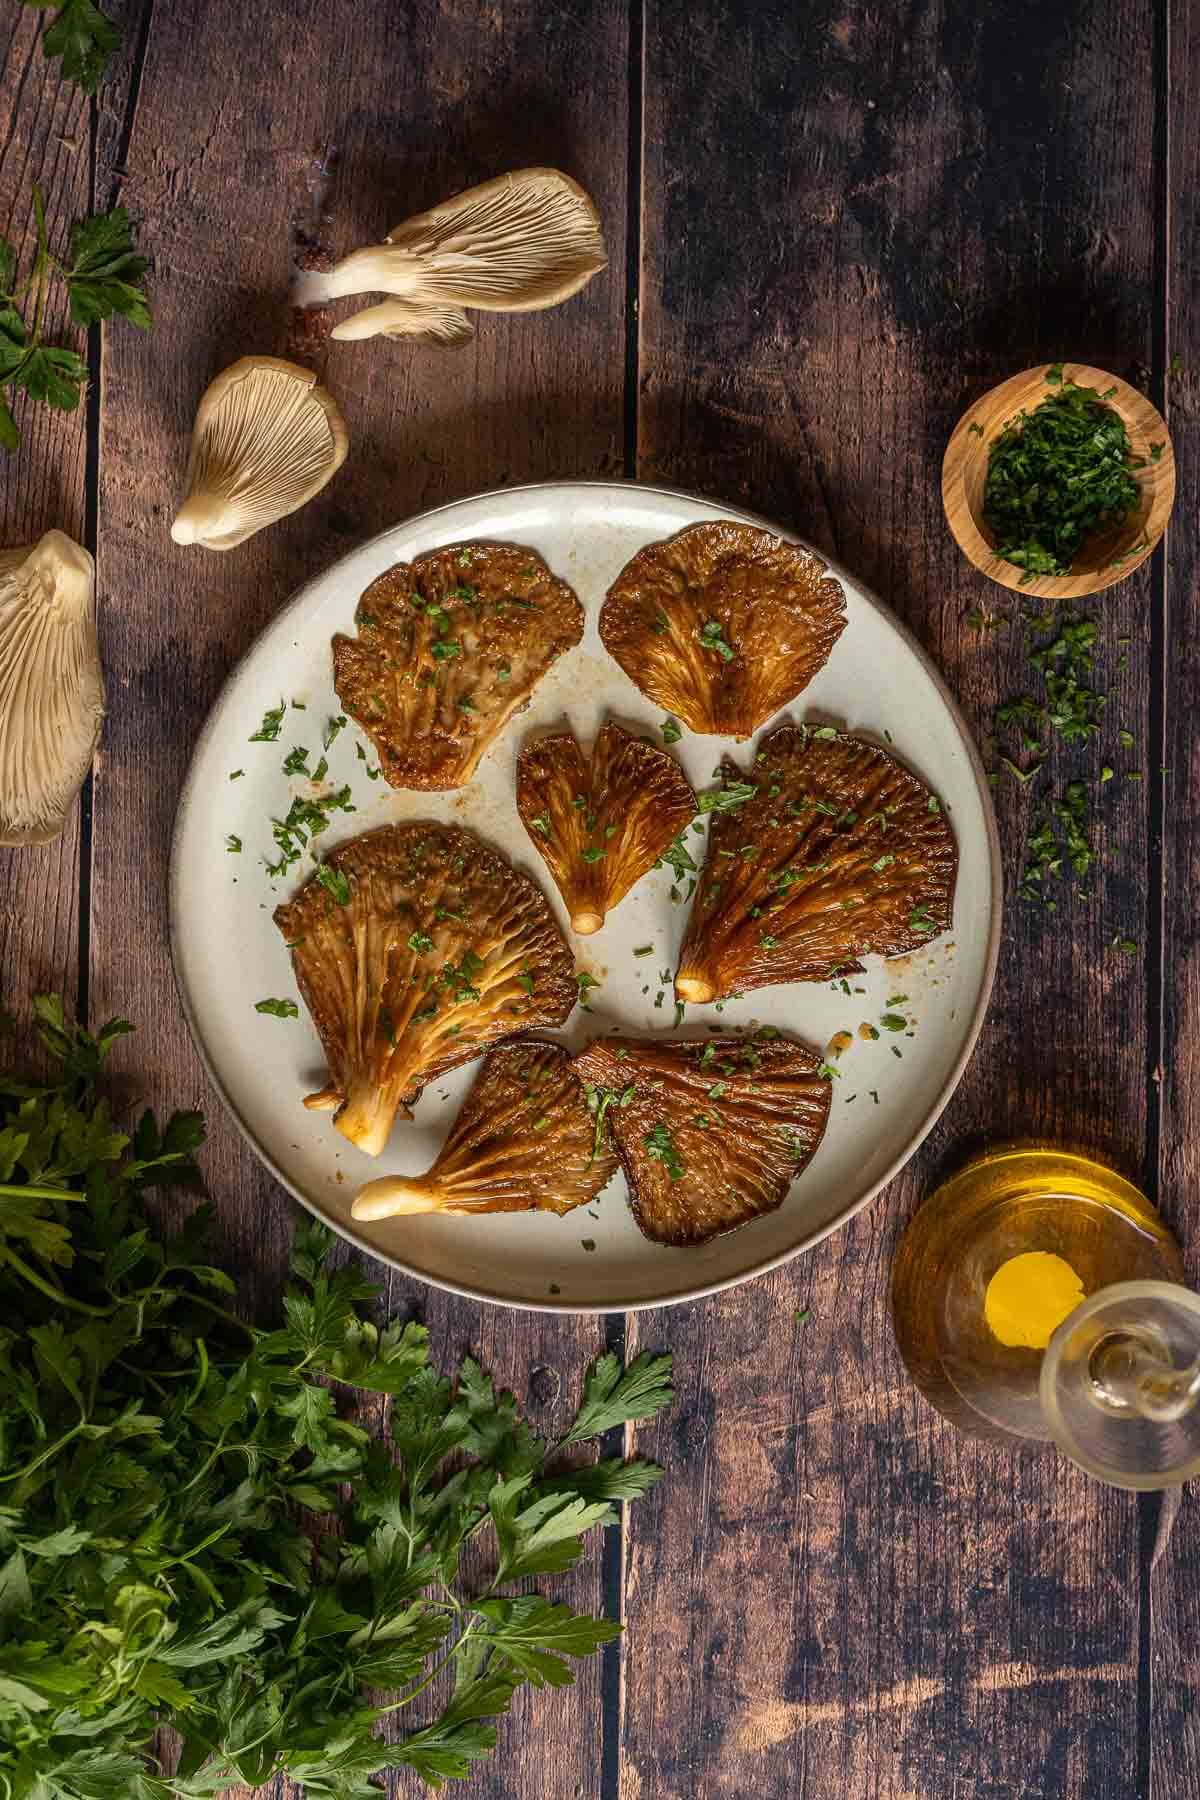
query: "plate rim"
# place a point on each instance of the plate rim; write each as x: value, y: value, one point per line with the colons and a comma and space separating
x: 811, y: 1239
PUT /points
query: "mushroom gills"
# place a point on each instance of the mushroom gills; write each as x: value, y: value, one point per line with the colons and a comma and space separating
x: 440, y: 950
x: 600, y: 822
x: 266, y: 439
x: 524, y: 1140
x: 524, y: 241
x: 51, y: 686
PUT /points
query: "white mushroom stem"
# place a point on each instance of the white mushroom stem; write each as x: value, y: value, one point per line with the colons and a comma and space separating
x: 51, y: 685
x: 524, y: 241
x: 266, y: 439
x: 392, y: 1195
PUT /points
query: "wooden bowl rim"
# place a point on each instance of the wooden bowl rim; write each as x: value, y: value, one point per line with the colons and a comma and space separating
x: 1007, y: 398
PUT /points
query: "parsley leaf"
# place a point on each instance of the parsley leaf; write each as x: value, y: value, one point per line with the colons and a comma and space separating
x: 83, y: 37
x: 105, y: 270
x: 159, y: 1567
x: 713, y: 638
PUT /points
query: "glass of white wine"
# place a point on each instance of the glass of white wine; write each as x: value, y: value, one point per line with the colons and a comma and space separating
x: 1036, y: 1294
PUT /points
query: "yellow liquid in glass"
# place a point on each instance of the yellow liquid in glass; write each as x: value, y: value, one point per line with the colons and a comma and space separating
x: 996, y: 1258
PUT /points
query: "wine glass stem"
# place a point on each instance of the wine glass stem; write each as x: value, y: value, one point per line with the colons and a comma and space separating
x: 1131, y: 1376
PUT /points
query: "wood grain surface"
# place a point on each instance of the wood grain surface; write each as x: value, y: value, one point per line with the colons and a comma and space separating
x: 414, y: 102
x: 841, y: 1596
x: 1173, y: 1528
x: 831, y: 227
x: 44, y: 139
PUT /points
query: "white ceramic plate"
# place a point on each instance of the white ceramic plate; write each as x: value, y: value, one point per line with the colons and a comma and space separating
x: 228, y: 954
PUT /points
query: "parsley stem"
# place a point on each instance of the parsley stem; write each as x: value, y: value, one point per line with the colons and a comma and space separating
x: 406, y: 1699
x: 50, y: 1451
x: 51, y: 1291
x: 33, y: 1190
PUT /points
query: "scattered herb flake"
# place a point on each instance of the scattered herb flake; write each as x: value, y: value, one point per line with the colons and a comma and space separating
x: 268, y: 731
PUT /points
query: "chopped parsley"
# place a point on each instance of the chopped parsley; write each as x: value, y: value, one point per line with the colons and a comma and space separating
x: 1054, y: 475
x: 305, y: 820
x: 233, y: 845
x: 296, y: 761
x: 713, y: 638
x: 672, y: 731
x: 335, y: 882
x: 592, y: 854
x: 726, y: 797
x: 677, y: 858
x: 599, y: 1101
x: 585, y: 983
x: 660, y: 1147
x: 278, y: 1009
x: 541, y: 822
x: 268, y: 731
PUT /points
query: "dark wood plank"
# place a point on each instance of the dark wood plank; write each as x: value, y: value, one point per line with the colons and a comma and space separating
x: 857, y: 219
x: 418, y: 100
x: 45, y: 140
x: 1175, y: 1581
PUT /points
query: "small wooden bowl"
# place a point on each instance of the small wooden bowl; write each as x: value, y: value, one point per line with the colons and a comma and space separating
x: 1111, y: 554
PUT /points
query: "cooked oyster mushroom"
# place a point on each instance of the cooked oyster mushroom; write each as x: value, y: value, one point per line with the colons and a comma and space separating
x: 523, y: 1141
x: 415, y: 947
x: 722, y: 624
x: 448, y: 648
x: 838, y: 852
x: 710, y: 1135
x: 600, y: 823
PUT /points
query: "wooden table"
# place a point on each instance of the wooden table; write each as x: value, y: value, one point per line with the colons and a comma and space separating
x: 831, y: 226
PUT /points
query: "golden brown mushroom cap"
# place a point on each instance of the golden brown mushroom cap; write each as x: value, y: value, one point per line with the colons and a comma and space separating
x: 524, y: 1140
x: 840, y: 852
x: 415, y: 948
x: 600, y: 822
x: 448, y: 648
x: 711, y: 1134
x: 722, y: 624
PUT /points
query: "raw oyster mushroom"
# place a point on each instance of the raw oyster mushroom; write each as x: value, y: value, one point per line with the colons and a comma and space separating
x: 524, y: 241
x: 51, y: 685
x: 266, y: 439
x: 415, y: 948
x: 524, y: 1141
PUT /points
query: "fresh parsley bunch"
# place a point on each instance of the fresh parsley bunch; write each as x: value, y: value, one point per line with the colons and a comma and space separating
x: 102, y: 273
x: 191, y: 1535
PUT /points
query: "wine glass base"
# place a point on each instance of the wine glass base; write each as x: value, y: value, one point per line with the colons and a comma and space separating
x: 972, y: 1322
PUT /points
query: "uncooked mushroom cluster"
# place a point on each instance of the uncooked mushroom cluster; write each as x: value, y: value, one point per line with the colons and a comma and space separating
x: 267, y: 437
